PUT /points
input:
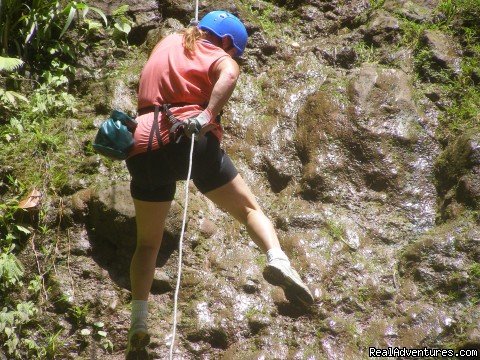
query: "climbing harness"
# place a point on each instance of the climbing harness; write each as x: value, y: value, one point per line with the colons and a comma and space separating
x: 177, y: 126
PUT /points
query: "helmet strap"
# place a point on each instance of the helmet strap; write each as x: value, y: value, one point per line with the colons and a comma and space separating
x: 227, y: 45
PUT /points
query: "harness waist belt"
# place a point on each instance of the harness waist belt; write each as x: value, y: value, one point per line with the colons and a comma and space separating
x: 149, y: 109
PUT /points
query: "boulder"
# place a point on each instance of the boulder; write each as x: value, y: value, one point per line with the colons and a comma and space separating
x: 383, y: 28
x: 112, y: 215
x: 344, y: 57
x: 443, y: 50
x: 418, y: 11
x: 383, y: 103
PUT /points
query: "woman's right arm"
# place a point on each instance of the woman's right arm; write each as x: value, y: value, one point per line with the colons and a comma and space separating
x: 225, y: 75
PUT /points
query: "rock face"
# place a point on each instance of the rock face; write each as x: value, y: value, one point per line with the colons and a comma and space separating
x: 379, y: 220
x: 361, y: 144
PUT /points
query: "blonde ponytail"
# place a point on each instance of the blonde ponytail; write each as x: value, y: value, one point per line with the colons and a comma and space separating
x: 190, y: 37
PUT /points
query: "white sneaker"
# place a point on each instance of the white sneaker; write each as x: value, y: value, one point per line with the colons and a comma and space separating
x: 279, y: 272
x: 138, y: 340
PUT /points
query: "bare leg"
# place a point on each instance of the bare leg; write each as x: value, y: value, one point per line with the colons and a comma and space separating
x: 150, y: 218
x: 236, y: 198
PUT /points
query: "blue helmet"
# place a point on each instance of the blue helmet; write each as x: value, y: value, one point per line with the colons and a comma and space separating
x: 222, y: 24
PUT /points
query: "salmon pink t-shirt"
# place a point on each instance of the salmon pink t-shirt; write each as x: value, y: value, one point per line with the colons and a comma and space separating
x: 172, y: 75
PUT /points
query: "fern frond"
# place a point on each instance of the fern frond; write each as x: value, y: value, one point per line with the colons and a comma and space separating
x: 10, y: 64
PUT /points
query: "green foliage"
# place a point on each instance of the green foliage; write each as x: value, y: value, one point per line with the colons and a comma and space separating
x: 19, y: 313
x: 428, y: 69
x: 260, y: 15
x: 35, y: 285
x: 98, y: 334
x: 82, y: 9
x: 8, y: 226
x: 412, y: 32
x: 10, y: 64
x: 474, y: 270
x: 47, y: 100
x: 467, y: 11
x: 464, y: 113
x: 11, y: 270
x: 10, y: 98
x: 35, y: 32
x: 336, y: 230
x: 101, y: 336
x: 32, y: 28
x: 50, y: 347
x: 366, y: 53
x: 448, y: 8
x: 39, y: 43
x: 266, y: 15
x: 79, y: 314
x: 123, y: 24
x: 461, y: 20
x: 376, y: 4
x: 12, y: 323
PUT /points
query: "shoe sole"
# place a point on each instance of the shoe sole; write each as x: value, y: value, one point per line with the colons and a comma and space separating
x: 138, y: 344
x: 294, y: 292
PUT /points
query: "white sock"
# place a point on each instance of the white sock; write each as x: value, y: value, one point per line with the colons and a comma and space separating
x: 276, y: 253
x: 139, y: 314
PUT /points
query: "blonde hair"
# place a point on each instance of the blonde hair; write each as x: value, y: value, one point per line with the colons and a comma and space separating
x: 190, y: 37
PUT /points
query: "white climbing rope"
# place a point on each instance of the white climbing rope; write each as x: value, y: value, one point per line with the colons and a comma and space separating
x: 180, y: 245
x: 196, y: 11
x: 180, y: 251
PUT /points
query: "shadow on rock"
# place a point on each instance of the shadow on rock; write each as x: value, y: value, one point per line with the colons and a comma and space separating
x: 112, y: 234
x: 291, y: 310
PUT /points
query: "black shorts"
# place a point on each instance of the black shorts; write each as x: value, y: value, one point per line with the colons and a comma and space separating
x: 154, y: 174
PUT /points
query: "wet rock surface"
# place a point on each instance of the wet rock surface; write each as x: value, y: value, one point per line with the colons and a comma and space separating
x: 377, y: 218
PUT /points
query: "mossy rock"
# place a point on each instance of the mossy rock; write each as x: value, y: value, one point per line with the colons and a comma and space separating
x: 439, y: 258
x: 318, y: 119
x: 458, y: 167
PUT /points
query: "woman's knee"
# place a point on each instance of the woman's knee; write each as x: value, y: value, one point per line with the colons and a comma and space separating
x: 149, y: 242
x: 250, y: 213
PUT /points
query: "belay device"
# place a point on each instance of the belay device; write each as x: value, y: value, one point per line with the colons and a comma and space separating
x: 115, y: 136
